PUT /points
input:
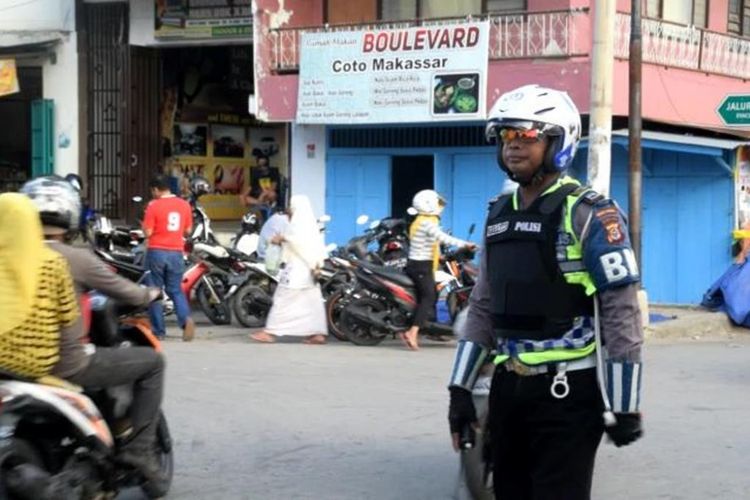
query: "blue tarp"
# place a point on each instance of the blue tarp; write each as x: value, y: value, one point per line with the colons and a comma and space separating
x: 731, y: 294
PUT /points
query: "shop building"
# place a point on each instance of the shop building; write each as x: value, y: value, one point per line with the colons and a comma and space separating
x: 167, y: 91
x: 38, y: 90
x: 695, y: 55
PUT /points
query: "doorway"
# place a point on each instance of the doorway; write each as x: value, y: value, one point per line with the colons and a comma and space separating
x: 409, y: 175
x: 15, y: 140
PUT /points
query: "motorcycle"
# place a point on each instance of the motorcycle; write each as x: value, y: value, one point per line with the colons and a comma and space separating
x: 383, y: 300
x: 393, y: 241
x: 248, y: 237
x: 201, y: 224
x: 254, y: 299
x: 210, y: 282
x: 124, y: 242
x: 59, y: 442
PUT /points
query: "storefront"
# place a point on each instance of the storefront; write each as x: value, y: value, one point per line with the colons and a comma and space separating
x: 206, y: 59
x: 205, y: 128
x: 171, y: 96
x: 432, y: 82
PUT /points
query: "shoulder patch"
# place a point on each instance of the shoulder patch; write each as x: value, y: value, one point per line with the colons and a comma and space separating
x: 588, y: 195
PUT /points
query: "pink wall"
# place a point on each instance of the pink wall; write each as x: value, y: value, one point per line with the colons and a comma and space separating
x: 669, y: 94
x: 676, y: 96
x: 571, y: 76
x: 540, y: 5
x: 718, y: 11
x: 277, y: 94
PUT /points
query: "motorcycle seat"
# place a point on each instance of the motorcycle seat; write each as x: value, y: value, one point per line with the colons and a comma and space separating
x: 59, y: 383
x: 387, y: 272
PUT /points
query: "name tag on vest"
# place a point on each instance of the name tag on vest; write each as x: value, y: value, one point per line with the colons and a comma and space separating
x: 516, y: 227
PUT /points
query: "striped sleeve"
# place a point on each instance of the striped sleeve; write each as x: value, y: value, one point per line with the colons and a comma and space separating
x: 434, y: 231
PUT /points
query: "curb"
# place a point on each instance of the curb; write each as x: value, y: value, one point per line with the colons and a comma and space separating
x: 692, y: 323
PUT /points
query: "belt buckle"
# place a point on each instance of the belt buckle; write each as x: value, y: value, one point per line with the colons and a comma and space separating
x: 519, y: 368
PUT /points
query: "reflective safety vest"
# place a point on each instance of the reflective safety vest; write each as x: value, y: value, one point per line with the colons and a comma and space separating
x: 539, y: 284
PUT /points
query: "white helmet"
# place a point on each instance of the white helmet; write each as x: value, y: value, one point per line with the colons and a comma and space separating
x: 58, y: 202
x: 428, y: 202
x: 547, y: 110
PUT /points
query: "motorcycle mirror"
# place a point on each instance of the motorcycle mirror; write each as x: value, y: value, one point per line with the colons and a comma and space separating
x: 374, y: 224
x: 137, y: 199
x: 324, y: 218
x: 362, y: 219
x: 412, y: 211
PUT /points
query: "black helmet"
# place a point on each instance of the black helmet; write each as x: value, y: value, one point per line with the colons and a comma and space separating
x: 75, y: 181
x: 251, y: 222
x: 199, y: 186
x: 58, y: 202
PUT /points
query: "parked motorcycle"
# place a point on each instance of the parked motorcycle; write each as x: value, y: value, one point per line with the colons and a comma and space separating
x: 248, y: 237
x: 384, y: 300
x: 393, y: 241
x: 61, y: 443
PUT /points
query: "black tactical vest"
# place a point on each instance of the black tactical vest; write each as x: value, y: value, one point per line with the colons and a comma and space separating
x: 529, y: 297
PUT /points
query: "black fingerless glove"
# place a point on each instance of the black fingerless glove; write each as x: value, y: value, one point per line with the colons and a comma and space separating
x: 627, y: 429
x: 461, y: 412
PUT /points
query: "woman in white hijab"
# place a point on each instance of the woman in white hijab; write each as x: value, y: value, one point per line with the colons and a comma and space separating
x: 298, y: 309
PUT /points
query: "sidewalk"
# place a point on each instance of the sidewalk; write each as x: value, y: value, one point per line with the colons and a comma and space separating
x: 667, y: 322
x: 694, y: 323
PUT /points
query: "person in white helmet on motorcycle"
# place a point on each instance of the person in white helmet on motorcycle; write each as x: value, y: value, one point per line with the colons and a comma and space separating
x: 557, y: 263
x: 425, y: 237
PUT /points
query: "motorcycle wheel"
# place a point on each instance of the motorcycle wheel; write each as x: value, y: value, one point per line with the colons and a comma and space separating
x: 473, y: 463
x: 166, y: 457
x: 19, y: 452
x: 334, y: 305
x: 250, y: 306
x: 360, y: 332
x: 218, y: 314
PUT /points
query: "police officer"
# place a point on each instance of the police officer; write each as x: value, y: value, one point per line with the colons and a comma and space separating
x: 557, y: 263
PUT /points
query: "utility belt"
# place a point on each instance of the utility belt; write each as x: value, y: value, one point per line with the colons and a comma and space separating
x: 559, y: 388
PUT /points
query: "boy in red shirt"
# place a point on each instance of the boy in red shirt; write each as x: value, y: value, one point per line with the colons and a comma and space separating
x: 167, y: 221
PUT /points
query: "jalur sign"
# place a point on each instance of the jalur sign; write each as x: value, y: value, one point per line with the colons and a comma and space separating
x: 734, y: 110
x: 416, y: 74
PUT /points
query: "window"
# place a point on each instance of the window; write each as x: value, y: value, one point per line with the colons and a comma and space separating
x: 397, y: 10
x: 449, y: 8
x: 505, y: 5
x: 739, y: 17
x: 686, y: 12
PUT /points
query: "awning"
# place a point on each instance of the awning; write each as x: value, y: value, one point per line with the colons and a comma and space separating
x: 30, y: 44
x: 681, y: 143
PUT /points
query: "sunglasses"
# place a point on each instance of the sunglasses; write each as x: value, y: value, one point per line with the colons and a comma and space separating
x: 525, y: 136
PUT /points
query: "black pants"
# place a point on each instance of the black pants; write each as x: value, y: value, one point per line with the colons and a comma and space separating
x: 544, y: 448
x: 141, y: 366
x: 420, y: 271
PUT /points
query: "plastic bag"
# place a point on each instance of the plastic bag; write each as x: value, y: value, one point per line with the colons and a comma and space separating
x: 273, y: 259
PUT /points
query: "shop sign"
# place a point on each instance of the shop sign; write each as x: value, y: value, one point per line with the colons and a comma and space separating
x: 420, y: 74
x: 734, y: 110
x: 8, y: 77
x: 201, y: 19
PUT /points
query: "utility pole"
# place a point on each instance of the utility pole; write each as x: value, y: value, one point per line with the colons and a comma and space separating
x: 635, y: 126
x: 600, y: 123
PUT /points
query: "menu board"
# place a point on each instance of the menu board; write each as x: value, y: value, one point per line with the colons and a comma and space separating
x: 420, y: 74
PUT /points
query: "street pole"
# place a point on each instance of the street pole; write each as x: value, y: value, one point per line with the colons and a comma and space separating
x: 635, y: 125
x: 600, y: 122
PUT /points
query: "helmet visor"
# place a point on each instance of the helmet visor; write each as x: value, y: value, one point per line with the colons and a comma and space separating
x: 525, y: 136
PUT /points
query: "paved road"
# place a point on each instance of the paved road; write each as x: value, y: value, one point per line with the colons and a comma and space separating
x: 290, y: 421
